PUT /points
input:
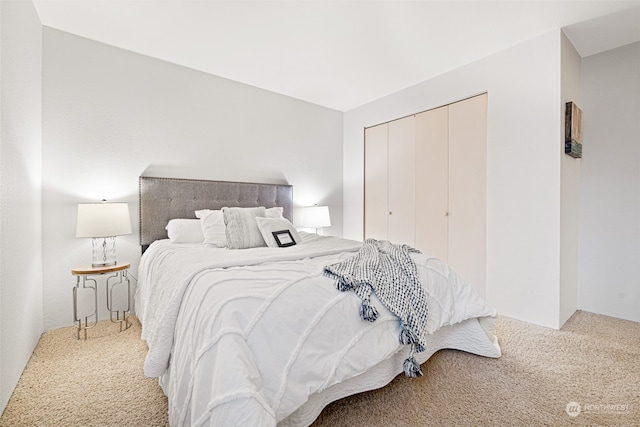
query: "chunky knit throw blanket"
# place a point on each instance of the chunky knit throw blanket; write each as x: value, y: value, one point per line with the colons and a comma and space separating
x: 388, y: 270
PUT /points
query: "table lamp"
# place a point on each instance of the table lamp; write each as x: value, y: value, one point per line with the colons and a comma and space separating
x: 315, y: 217
x: 103, y: 222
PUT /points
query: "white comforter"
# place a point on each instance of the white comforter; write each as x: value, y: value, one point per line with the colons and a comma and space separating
x: 250, y: 345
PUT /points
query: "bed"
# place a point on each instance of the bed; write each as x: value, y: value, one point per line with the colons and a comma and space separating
x: 260, y: 335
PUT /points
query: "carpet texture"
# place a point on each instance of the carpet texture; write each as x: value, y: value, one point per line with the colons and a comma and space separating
x: 588, y: 373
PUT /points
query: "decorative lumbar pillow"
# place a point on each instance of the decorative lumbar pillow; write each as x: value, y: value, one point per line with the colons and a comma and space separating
x: 241, y: 227
x: 275, y: 212
x: 184, y: 231
x: 268, y: 226
x: 213, y: 228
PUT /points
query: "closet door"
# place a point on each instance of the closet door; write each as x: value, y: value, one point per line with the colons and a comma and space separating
x: 432, y: 182
x: 402, y: 181
x: 468, y: 189
x: 376, y: 209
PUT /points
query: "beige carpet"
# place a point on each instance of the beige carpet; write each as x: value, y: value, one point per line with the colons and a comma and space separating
x: 593, y: 361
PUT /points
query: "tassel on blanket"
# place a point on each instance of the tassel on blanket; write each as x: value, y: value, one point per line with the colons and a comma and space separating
x: 411, y: 367
x: 407, y: 336
x: 343, y: 285
x: 368, y: 312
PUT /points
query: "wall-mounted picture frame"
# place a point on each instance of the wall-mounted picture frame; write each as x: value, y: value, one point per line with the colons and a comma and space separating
x: 573, y: 130
x: 283, y: 238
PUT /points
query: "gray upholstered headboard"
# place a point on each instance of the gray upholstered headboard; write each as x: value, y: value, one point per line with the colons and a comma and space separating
x: 162, y: 199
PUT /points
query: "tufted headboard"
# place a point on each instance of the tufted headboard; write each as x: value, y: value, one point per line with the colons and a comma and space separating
x: 162, y: 199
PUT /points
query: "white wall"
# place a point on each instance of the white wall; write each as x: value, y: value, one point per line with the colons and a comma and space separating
x: 110, y: 115
x: 610, y: 185
x: 524, y: 149
x: 20, y: 186
x: 569, y: 190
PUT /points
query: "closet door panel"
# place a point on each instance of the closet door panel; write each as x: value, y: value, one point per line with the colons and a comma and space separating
x: 376, y: 189
x: 467, y: 190
x: 432, y: 182
x: 402, y: 181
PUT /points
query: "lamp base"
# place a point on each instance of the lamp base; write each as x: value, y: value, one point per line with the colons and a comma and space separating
x: 104, y: 251
x: 108, y: 264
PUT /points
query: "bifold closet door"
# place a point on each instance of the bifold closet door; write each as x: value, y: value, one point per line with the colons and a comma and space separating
x: 432, y: 182
x: 425, y: 185
x: 402, y: 182
x: 376, y: 188
x: 468, y: 190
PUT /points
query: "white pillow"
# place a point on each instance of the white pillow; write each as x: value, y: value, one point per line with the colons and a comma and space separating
x: 241, y: 228
x: 213, y: 228
x: 184, y: 231
x: 275, y: 212
x: 268, y: 225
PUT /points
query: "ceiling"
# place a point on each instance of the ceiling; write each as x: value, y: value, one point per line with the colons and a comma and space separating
x: 338, y: 54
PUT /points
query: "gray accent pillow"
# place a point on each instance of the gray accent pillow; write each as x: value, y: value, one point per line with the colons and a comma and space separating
x: 241, y: 227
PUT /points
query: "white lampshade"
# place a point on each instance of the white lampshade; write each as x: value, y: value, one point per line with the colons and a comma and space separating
x: 315, y: 217
x: 103, y: 219
x: 103, y: 222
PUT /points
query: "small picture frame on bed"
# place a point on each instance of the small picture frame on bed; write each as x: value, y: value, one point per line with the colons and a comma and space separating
x: 283, y: 238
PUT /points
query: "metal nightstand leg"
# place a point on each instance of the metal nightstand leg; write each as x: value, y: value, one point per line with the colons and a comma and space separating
x: 78, y: 321
x: 121, y: 316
